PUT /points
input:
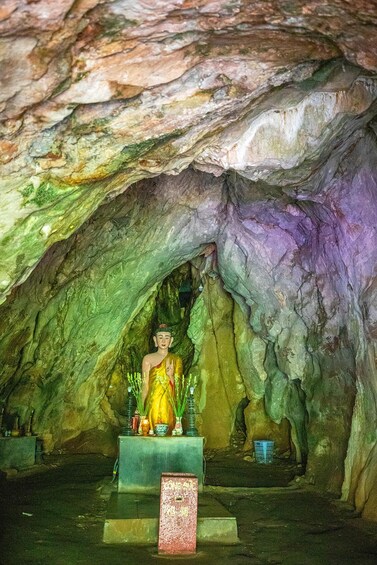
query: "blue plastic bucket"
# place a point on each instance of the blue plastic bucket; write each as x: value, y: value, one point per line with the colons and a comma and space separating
x: 264, y: 451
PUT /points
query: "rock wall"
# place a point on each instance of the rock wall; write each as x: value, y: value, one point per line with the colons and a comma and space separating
x: 303, y: 271
x: 68, y: 316
x: 221, y: 386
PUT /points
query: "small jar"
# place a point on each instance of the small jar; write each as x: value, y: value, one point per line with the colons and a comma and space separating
x: 145, y: 426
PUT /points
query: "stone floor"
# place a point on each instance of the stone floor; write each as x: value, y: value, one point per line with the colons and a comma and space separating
x: 235, y: 468
x: 54, y: 515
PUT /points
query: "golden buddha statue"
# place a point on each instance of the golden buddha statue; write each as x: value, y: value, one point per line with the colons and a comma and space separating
x: 158, y: 371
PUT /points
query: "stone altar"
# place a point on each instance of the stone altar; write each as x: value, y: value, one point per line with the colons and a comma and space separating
x: 142, y: 460
x: 133, y: 512
x: 133, y: 518
x: 17, y: 452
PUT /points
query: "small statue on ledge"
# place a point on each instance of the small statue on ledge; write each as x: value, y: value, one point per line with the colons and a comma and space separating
x: 159, y: 368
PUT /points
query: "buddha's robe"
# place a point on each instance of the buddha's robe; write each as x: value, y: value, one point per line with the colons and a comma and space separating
x: 160, y: 410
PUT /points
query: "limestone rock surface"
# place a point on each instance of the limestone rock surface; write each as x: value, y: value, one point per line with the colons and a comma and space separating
x: 97, y: 95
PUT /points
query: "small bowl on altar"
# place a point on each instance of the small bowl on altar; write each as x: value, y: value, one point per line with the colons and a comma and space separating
x: 161, y: 429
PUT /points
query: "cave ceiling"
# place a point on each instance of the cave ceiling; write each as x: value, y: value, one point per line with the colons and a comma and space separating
x: 96, y: 95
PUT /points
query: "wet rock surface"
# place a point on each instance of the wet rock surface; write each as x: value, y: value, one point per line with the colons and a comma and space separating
x: 56, y: 515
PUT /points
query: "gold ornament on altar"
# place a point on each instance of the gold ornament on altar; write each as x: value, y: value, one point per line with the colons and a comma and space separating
x: 145, y: 426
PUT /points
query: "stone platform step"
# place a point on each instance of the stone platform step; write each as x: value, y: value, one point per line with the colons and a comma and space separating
x: 133, y: 519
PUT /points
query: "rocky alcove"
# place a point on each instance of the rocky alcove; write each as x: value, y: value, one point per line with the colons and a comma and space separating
x: 213, y: 164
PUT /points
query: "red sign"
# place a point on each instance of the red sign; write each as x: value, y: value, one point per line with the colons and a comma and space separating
x: 178, y: 513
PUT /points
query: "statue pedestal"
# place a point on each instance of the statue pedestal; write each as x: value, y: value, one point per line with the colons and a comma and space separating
x: 142, y: 460
x: 133, y: 513
x: 133, y: 518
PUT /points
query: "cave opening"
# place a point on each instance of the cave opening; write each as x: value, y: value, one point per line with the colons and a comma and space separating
x: 212, y: 332
x: 201, y: 267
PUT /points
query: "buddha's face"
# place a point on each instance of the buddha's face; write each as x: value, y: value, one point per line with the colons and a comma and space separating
x: 163, y: 340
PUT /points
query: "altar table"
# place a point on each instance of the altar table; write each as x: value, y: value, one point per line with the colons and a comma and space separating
x: 142, y: 459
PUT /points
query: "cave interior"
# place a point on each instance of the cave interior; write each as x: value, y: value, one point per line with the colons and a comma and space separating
x: 213, y: 167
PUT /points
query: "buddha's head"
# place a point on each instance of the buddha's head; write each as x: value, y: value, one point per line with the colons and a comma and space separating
x: 163, y: 337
